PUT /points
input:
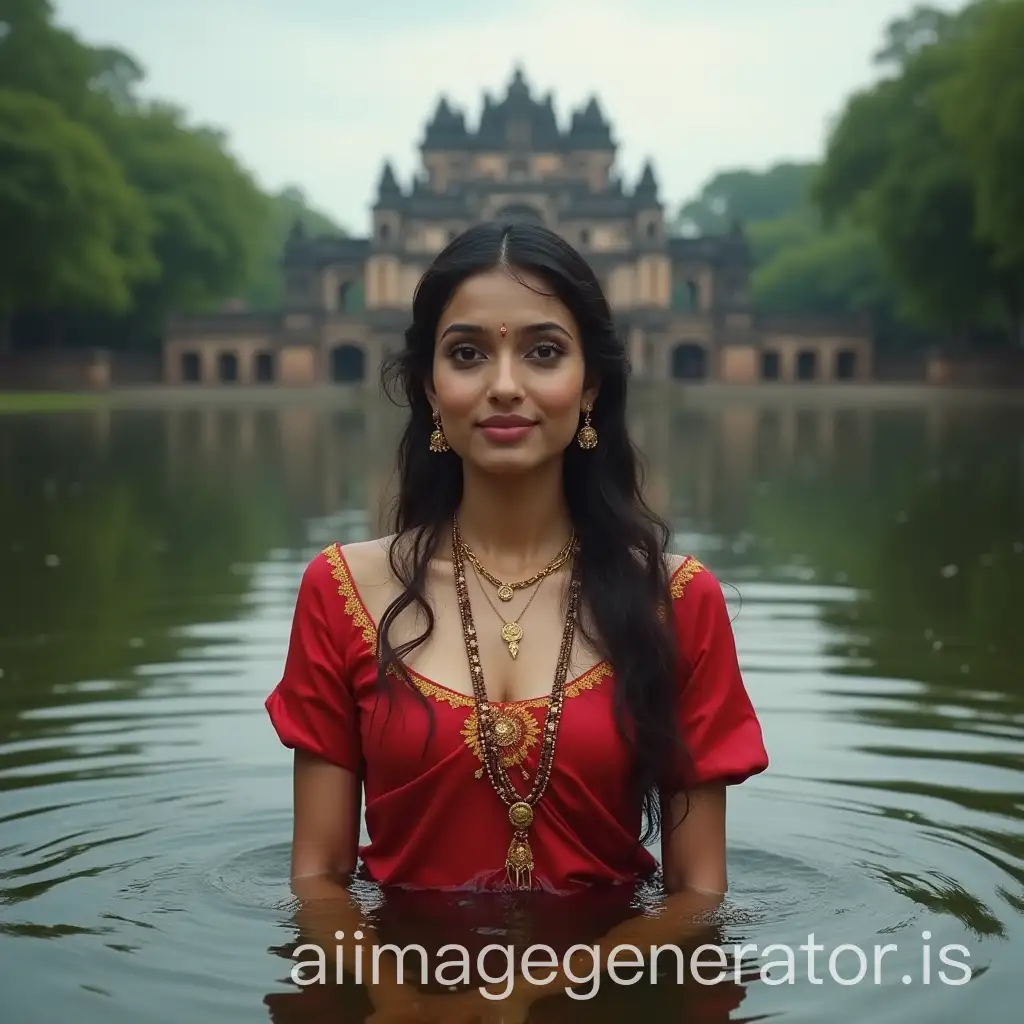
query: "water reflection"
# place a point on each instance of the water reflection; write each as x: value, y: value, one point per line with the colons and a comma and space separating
x: 432, y: 926
x: 150, y: 557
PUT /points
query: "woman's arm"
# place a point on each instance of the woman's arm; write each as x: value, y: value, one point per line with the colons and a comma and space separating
x: 693, y: 841
x: 325, y: 842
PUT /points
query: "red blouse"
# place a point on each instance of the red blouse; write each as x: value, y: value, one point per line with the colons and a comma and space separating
x: 432, y: 816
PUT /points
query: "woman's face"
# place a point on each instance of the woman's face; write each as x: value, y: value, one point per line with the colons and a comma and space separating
x: 508, y: 374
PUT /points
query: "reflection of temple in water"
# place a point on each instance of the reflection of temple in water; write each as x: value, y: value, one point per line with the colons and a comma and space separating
x: 704, y: 460
x: 701, y: 461
x: 329, y: 459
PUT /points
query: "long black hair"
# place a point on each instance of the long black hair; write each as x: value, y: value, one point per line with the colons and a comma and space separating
x: 624, y: 577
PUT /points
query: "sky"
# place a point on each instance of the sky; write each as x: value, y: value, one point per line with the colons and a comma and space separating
x: 318, y: 93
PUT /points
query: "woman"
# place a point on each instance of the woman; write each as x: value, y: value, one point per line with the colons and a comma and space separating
x: 520, y: 681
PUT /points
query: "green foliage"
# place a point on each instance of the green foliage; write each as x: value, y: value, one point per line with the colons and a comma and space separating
x: 207, y: 211
x: 78, y: 233
x: 916, y: 212
x: 831, y: 273
x: 982, y: 109
x: 284, y: 210
x: 116, y: 75
x: 801, y: 265
x: 918, y: 159
x: 905, y: 37
x: 889, y: 167
x: 123, y: 211
x: 771, y: 238
x: 923, y: 213
x: 746, y: 195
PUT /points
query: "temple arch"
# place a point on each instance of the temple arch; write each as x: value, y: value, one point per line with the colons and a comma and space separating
x: 689, y: 361
x: 348, y: 363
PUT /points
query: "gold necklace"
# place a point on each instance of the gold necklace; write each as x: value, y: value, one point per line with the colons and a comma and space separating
x: 506, y: 591
x: 519, y: 863
x: 511, y: 630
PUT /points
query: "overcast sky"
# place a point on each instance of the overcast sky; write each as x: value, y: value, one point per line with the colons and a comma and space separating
x: 318, y: 92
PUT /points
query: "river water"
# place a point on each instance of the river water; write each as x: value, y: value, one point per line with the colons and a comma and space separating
x: 874, y: 559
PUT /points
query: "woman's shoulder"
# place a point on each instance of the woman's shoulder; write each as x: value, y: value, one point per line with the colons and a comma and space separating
x: 368, y: 560
x: 700, y: 610
x: 689, y: 576
x: 348, y: 562
x: 339, y: 574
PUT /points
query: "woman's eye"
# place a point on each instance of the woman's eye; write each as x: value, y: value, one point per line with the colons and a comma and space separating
x: 462, y: 353
x: 546, y: 350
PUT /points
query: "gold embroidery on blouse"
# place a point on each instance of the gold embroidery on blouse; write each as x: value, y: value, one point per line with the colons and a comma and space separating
x: 682, y: 576
x: 442, y: 694
x: 357, y: 611
x: 515, y: 726
x: 515, y: 729
x: 588, y: 680
x: 678, y: 583
x: 354, y: 607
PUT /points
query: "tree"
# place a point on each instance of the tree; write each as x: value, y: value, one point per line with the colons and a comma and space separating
x: 76, y: 233
x: 905, y: 37
x: 771, y: 238
x: 39, y: 58
x: 288, y: 207
x: 924, y: 217
x: 116, y: 75
x: 834, y: 273
x: 982, y: 109
x: 208, y: 214
x: 892, y: 167
x: 177, y: 186
x: 747, y: 195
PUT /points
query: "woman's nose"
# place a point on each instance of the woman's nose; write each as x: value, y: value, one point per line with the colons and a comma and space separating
x: 506, y: 382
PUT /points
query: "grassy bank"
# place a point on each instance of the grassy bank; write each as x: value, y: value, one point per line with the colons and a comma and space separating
x: 711, y: 394
x: 49, y: 401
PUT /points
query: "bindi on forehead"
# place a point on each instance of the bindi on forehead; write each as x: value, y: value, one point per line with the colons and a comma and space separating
x: 497, y: 306
x: 527, y: 330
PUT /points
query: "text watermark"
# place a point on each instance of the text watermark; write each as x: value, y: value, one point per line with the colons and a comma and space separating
x: 584, y: 965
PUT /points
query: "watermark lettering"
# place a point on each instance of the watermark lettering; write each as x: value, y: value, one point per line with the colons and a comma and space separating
x: 584, y: 966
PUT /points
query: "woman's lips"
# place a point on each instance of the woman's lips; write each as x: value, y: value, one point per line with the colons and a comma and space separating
x: 506, y: 429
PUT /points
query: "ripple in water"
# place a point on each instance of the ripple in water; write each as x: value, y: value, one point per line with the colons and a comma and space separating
x: 256, y: 878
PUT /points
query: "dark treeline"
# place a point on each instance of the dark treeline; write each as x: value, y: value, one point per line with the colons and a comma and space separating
x: 915, y: 213
x: 115, y: 211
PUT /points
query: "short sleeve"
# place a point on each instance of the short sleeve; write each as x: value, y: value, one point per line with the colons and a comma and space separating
x: 719, y: 729
x: 313, y: 707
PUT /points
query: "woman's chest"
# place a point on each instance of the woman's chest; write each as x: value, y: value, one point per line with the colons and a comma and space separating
x: 432, y: 730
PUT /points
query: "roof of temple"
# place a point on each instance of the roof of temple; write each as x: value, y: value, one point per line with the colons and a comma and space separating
x: 519, y: 115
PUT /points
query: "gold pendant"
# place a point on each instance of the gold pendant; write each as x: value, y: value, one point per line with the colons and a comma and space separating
x: 512, y: 633
x: 507, y: 730
x: 505, y: 592
x: 519, y: 862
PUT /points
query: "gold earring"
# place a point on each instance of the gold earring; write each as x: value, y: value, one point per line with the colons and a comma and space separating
x: 587, y: 436
x: 438, y: 442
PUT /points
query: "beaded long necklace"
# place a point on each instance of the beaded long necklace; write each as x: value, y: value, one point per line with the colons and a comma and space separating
x: 519, y: 863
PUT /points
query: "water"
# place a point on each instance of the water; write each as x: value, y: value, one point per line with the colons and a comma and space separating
x: 874, y: 558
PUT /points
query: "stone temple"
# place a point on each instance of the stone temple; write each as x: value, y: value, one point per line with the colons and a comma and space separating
x: 682, y: 304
